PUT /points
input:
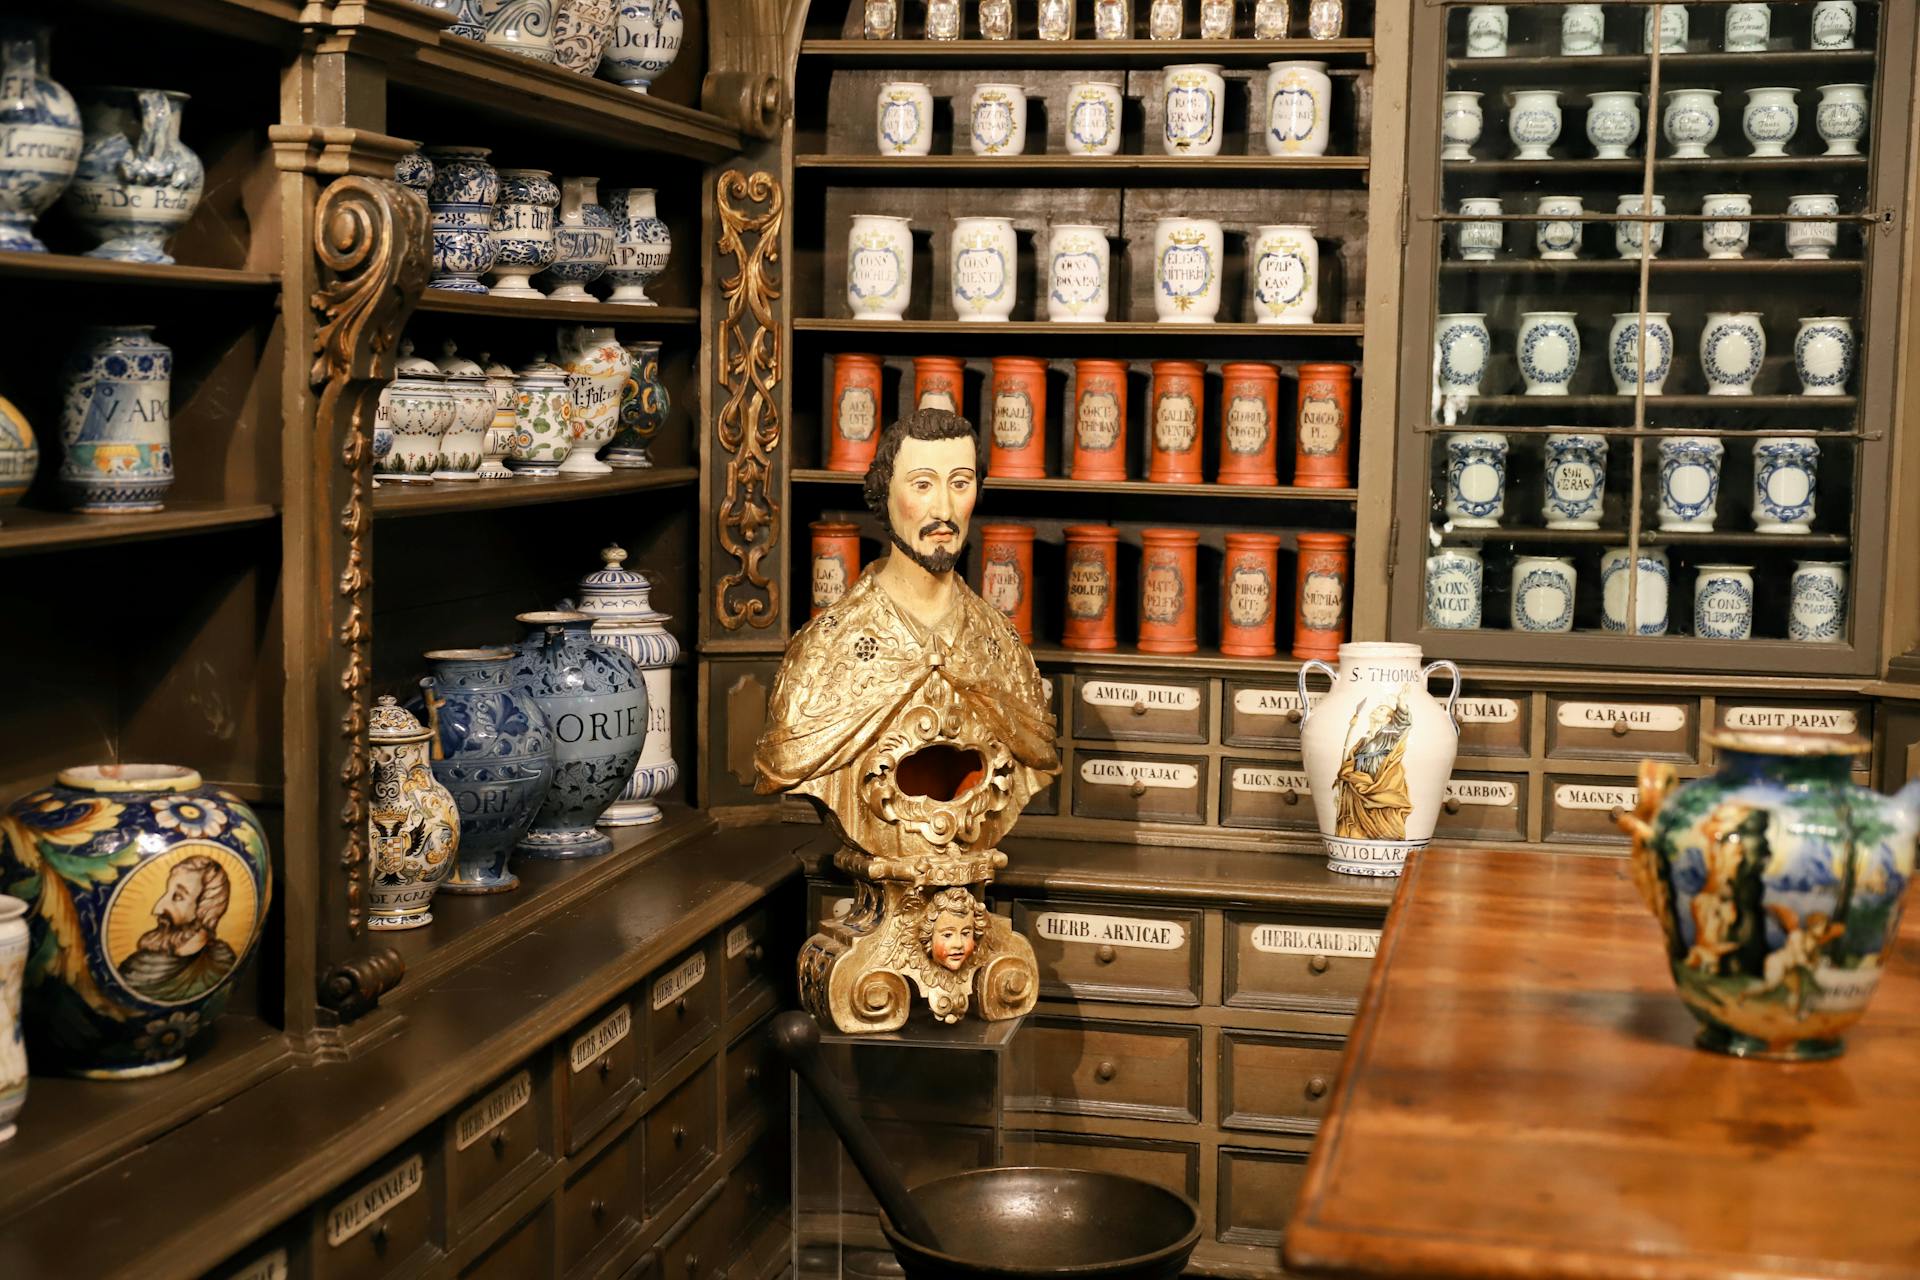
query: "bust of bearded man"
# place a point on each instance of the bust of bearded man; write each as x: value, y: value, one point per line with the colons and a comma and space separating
x: 913, y: 717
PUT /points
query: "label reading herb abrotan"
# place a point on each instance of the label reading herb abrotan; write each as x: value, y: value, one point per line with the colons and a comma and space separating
x: 486, y: 1115
x: 373, y: 1201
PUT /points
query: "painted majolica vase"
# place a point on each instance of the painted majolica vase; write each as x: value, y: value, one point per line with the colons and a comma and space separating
x: 460, y: 201
x: 40, y: 134
x: 523, y: 221
x: 641, y: 245
x: 116, y: 421
x: 19, y: 454
x: 1378, y: 750
x: 643, y: 408
x: 136, y: 183
x: 420, y: 410
x: 596, y: 701
x: 524, y: 27
x: 582, y: 30
x: 412, y: 823
x: 1778, y: 884
x: 13, y: 1032
x: 465, y: 443
x: 646, y: 40
x: 598, y: 368
x: 493, y: 462
x: 582, y: 241
x: 616, y: 598
x: 148, y: 891
x: 542, y: 418
x: 492, y: 749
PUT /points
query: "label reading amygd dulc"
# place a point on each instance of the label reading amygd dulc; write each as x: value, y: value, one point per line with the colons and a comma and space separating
x: 1126, y: 693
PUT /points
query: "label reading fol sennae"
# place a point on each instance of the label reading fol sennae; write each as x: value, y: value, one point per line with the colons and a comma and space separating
x: 605, y: 1034
x: 1118, y: 931
x: 366, y: 1206
x: 1148, y: 773
x: 1805, y: 719
x: 1313, y: 940
x: 486, y: 1115
x: 1121, y: 693
x: 684, y: 978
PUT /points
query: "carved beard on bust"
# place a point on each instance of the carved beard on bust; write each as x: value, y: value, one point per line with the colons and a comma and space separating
x: 934, y: 562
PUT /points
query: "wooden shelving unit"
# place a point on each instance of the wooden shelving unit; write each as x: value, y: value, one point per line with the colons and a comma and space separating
x: 395, y: 500
x: 453, y: 303
x: 1104, y: 170
x: 1081, y: 53
x: 75, y: 269
x: 1118, y: 488
x: 25, y: 531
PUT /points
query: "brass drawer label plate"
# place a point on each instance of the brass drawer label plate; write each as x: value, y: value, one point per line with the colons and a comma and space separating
x: 484, y: 1116
x: 608, y: 1032
x: 372, y: 1202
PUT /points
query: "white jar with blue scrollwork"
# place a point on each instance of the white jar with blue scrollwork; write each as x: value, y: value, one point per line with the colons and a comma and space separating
x: 983, y: 264
x: 1476, y: 479
x: 1730, y: 233
x: 1732, y: 346
x: 1461, y: 119
x: 1823, y: 355
x: 645, y: 41
x: 1785, y: 469
x: 1630, y: 374
x: 617, y: 599
x: 1187, y: 260
x: 1583, y: 30
x: 1833, y: 24
x: 1749, y: 27
x: 1576, y: 480
x: 1813, y: 240
x: 879, y: 266
x: 1455, y: 578
x: 1691, y: 121
x: 1548, y: 351
x: 642, y: 245
x: 460, y: 201
x: 1533, y: 122
x: 524, y: 27
x: 1723, y: 602
x: 1479, y: 241
x: 523, y: 219
x: 40, y: 134
x: 1771, y: 118
x: 137, y: 183
x: 1542, y: 594
x: 1613, y: 122
x: 1461, y: 346
x: 1817, y: 602
x: 1690, y: 483
x: 903, y: 118
x: 1299, y: 108
x: 1647, y: 583
x: 1841, y: 118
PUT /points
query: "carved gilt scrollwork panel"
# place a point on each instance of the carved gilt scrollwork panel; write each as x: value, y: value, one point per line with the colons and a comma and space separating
x: 749, y: 365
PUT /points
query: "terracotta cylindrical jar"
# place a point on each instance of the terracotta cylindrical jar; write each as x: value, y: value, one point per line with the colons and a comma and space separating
x: 1247, y: 590
x: 1006, y: 573
x: 1320, y: 599
x: 1167, y: 591
x: 938, y: 382
x: 1249, y: 423
x: 1093, y: 554
x: 856, y: 412
x: 1018, y: 420
x: 1099, y: 420
x: 836, y: 561
x: 1323, y: 432
x: 1179, y: 394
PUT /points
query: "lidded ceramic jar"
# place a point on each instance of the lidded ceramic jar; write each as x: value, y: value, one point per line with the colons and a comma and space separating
x: 879, y: 266
x: 645, y: 41
x: 542, y: 419
x: 460, y: 200
x: 984, y: 265
x: 641, y: 245
x: 412, y: 822
x: 492, y: 749
x: 1250, y: 423
x: 1187, y: 258
x: 617, y: 599
x: 598, y: 370
x: 136, y: 183
x: 1017, y: 446
x: 903, y: 118
x: 1285, y: 274
x: 523, y: 220
x: 854, y: 431
x: 1192, y: 109
x: 1092, y: 562
x: 116, y: 421
x: 1249, y: 592
x: 1174, y: 413
x: 493, y: 463
x: 465, y: 443
x: 581, y: 31
x: 582, y: 241
x: 1099, y: 420
x: 420, y: 412
x: 644, y: 405
x: 1324, y: 574
x: 40, y: 134
x: 1299, y: 108
x: 1169, y: 562
x: 1006, y: 574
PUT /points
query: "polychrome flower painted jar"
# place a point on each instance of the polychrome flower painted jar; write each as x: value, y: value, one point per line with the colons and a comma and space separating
x: 1169, y: 563
x: 1249, y: 583
x: 1187, y: 261
x: 644, y: 405
x: 542, y: 419
x: 523, y: 219
x: 1543, y: 595
x: 492, y: 749
x: 599, y: 372
x: 14, y: 935
x: 984, y: 264
x: 1323, y: 574
x: 1092, y: 568
x: 879, y: 266
x: 116, y: 421
x: 1723, y: 601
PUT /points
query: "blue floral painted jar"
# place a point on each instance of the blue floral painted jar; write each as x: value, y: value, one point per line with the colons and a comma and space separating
x: 1476, y: 479
x: 492, y: 749
x: 646, y: 40
x: 617, y: 599
x: 1576, y: 476
x: 1637, y: 585
x: 137, y: 183
x: 1784, y: 470
x: 148, y: 892
x: 1543, y: 596
x: 116, y: 421
x: 1733, y: 345
x: 40, y: 134
x: 1455, y: 577
x: 1690, y: 483
x: 641, y: 245
x: 523, y: 220
x: 1548, y: 351
x: 1723, y: 602
x: 460, y: 199
x: 582, y: 241
x: 596, y: 701
x: 1817, y: 602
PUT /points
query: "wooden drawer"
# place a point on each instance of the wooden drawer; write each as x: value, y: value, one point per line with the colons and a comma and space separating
x: 696, y: 1247
x: 383, y: 1221
x: 1296, y: 962
x: 1495, y: 722
x: 680, y: 1137
x: 1484, y: 806
x: 1129, y: 708
x: 1099, y: 951
x: 755, y: 1080
x: 1269, y: 795
x: 499, y: 1142
x: 1173, y: 1165
x: 1581, y: 810
x: 682, y: 1007
x: 278, y: 1257
x: 1740, y: 712
x: 526, y: 1250
x: 920, y: 1151
x: 746, y: 965
x: 1137, y: 1070
x: 598, y: 1205
x: 1261, y: 715
x: 1137, y: 788
x: 1605, y: 727
x: 601, y: 1073
x: 1257, y: 1191
x: 1273, y: 1082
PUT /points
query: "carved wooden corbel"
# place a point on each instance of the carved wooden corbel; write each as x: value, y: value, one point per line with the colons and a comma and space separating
x: 746, y: 80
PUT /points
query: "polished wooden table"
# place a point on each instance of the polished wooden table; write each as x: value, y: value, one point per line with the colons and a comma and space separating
x: 1522, y: 1097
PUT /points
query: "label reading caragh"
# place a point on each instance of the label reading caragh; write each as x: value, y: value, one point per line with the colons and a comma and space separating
x: 1639, y: 717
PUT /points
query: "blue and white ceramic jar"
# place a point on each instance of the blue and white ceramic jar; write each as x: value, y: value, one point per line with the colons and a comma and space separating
x: 13, y: 1033
x: 1557, y: 234
x: 1723, y: 602
x: 643, y: 408
x: 1548, y: 351
x: 596, y: 702
x: 1648, y: 584
x: 1543, y: 597
x: 1576, y: 481
x: 903, y: 118
x: 1690, y: 483
x: 420, y: 410
x: 523, y: 221
x: 879, y: 266
x: 1613, y: 122
x: 149, y: 891
x: 616, y: 598
x: 1749, y: 28
x: 1476, y: 479
x: 1461, y: 348
x: 1487, y: 31
x: 1815, y: 239
x: 1479, y: 241
x: 1636, y: 238
x: 136, y: 183
x: 1454, y: 581
x: 582, y: 30
x: 40, y: 134
x: 116, y: 421
x: 1624, y: 352
x: 461, y: 200
x: 1461, y: 120
x: 1785, y: 472
x: 1833, y: 24
x: 1583, y: 30
x: 1841, y: 118
x: 1823, y: 355
x: 641, y: 245
x: 646, y: 40
x: 1673, y: 30
x: 1192, y: 109
x: 1771, y: 118
x: 582, y: 241
x: 524, y: 27
x: 1817, y: 602
x: 1691, y: 121
x: 1728, y: 236
x: 414, y: 172
x: 1533, y: 122
x: 1093, y: 119
x: 492, y: 749
x: 1733, y: 344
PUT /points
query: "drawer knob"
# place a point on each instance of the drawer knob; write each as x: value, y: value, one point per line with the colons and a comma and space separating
x: 1318, y: 964
x: 380, y: 1236
x: 1451, y: 804
x: 1621, y: 728
x: 1619, y: 811
x: 693, y: 1264
x: 1317, y: 1087
x: 499, y: 1141
x: 756, y: 953
x: 751, y: 1075
x: 598, y: 1208
x: 1104, y: 1072
x: 1105, y: 953
x: 1139, y: 708
x: 1290, y: 796
x: 679, y: 1135
x: 1138, y: 789
x: 605, y: 1065
x: 1293, y: 715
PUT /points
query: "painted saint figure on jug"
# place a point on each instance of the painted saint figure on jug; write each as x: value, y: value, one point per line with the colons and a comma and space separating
x: 1373, y: 782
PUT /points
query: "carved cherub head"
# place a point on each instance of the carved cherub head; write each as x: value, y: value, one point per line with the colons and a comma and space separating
x: 922, y: 484
x: 951, y: 927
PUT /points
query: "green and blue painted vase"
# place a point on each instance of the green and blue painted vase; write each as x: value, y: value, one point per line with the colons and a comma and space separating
x: 1777, y: 883
x: 147, y: 892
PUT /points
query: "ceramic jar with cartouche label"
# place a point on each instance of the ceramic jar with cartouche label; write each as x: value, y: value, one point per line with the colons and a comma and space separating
x: 1576, y: 480
x: 1817, y: 602
x: 1006, y: 574
x: 1324, y: 574
x: 1784, y: 474
x: 1461, y: 120
x: 999, y: 116
x: 983, y: 264
x: 1017, y: 399
x: 1823, y: 355
x: 1299, y: 108
x: 1476, y: 479
x: 855, y: 432
x: 903, y: 118
x: 1179, y: 393
x: 1187, y: 263
x: 1249, y: 423
x: 1093, y: 119
x: 1533, y: 122
x: 879, y: 266
x: 1323, y: 426
x: 1723, y: 602
x: 1078, y: 266
x: 836, y: 562
x: 1169, y: 563
x: 1192, y: 102
x: 1542, y: 594
x: 1479, y: 241
x: 1455, y: 577
x: 1647, y: 580
x: 1613, y: 122
x: 1092, y: 560
x: 1689, y: 492
x: 939, y: 382
x: 1285, y: 274
x: 1099, y: 420
x: 1770, y: 119
x: 1249, y: 576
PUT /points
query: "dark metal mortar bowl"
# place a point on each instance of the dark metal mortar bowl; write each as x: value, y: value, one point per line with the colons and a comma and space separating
x: 1037, y: 1222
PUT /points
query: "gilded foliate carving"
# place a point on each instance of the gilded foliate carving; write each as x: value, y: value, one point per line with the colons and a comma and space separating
x: 748, y: 425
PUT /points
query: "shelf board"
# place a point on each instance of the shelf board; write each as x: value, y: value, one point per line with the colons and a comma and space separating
x: 1083, y: 53
x: 1650, y: 537
x: 451, y: 302
x: 1162, y: 337
x: 1092, y: 170
x: 1204, y: 660
x: 67, y: 268
x: 1675, y: 65
x: 1066, y: 484
x: 1661, y: 266
x: 393, y: 500
x: 24, y: 530
x: 1546, y: 169
x: 1674, y: 401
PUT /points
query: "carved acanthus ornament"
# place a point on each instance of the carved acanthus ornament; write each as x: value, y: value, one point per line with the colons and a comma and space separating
x: 749, y: 366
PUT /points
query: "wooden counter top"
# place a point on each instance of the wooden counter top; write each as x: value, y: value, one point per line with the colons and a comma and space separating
x: 1522, y: 1098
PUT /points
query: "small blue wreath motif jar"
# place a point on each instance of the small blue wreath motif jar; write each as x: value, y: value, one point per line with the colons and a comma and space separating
x: 461, y: 199
x: 1476, y: 479
x: 493, y: 750
x: 616, y: 598
x: 1689, y: 483
x: 1576, y: 476
x: 1454, y: 580
x: 1548, y: 351
x: 40, y: 134
x: 1542, y: 594
x: 1784, y: 468
x: 596, y: 701
x: 1647, y: 583
x: 1817, y: 602
x: 1723, y: 602
x: 1732, y: 347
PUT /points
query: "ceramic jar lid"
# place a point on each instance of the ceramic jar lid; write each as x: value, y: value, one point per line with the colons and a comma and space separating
x: 541, y: 372
x: 412, y: 372
x: 615, y: 593
x: 392, y: 723
x: 457, y: 367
